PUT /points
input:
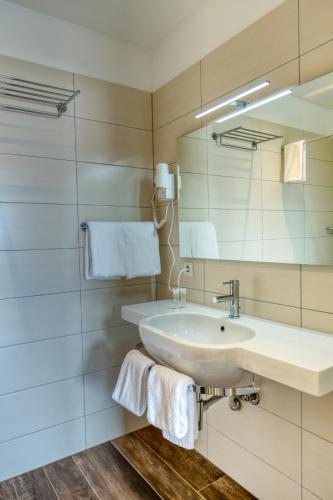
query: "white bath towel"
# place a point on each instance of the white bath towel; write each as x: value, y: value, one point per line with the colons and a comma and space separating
x: 295, y: 162
x: 172, y: 405
x: 131, y: 388
x: 142, y: 249
x: 105, y: 250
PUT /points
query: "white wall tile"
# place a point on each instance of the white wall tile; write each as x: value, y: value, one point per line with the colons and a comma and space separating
x: 106, y: 348
x: 24, y: 226
x: 316, y: 223
x: 111, y: 423
x: 113, y: 185
x: 260, y: 432
x: 317, y: 415
x: 319, y: 172
x: 281, y: 400
x: 34, y: 409
x: 233, y: 162
x: 192, y: 155
x: 317, y: 465
x: 264, y: 481
x: 277, y: 196
x: 318, y: 198
x: 37, y: 180
x: 194, y: 193
x: 278, y: 224
x: 37, y: 136
x: 236, y: 225
x: 29, y: 365
x: 98, y: 389
x: 319, y: 251
x: 101, y: 309
x: 287, y: 250
x: 104, y: 143
x: 232, y: 193
x: 35, y: 272
x: 47, y: 445
x: 240, y: 250
x: 41, y: 317
x: 271, y: 165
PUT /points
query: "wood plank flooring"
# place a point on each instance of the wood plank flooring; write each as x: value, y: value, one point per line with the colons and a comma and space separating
x: 141, y: 465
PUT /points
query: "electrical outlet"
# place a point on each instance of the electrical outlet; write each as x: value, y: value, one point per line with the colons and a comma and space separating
x: 189, y: 269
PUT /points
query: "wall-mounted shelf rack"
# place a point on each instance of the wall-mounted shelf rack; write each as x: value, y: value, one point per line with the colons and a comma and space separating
x: 39, y: 96
x: 243, y: 138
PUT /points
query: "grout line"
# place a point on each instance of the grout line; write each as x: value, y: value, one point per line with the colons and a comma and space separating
x: 52, y: 485
x: 211, y: 484
x: 84, y: 475
x: 114, y: 124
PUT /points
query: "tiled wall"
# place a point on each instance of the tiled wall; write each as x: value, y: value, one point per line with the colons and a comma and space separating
x: 255, y: 215
x: 62, y: 338
x: 284, y: 447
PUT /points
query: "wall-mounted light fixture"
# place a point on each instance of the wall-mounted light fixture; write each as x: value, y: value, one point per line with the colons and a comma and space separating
x: 235, y: 98
x: 254, y: 105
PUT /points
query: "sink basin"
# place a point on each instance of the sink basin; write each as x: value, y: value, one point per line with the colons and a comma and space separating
x: 198, y: 345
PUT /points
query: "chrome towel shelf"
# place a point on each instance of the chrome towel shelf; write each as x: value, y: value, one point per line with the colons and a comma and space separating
x: 39, y: 96
x: 235, y: 137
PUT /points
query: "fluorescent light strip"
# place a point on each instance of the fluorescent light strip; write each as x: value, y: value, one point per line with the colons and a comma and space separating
x: 235, y: 98
x: 254, y: 105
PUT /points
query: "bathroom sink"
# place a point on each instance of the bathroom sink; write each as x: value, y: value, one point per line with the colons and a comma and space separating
x: 198, y: 345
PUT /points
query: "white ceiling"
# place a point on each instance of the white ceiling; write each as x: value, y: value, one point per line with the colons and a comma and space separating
x: 142, y: 22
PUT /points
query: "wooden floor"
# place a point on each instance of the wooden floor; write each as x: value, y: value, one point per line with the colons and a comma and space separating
x: 140, y: 465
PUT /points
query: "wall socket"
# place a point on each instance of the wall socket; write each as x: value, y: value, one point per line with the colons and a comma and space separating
x: 189, y: 269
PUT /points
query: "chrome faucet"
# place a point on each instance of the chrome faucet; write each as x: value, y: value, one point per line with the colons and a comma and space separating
x: 232, y: 298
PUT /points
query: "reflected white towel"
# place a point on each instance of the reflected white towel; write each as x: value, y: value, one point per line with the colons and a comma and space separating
x: 200, y: 238
x: 104, y: 250
x: 131, y: 388
x: 142, y: 249
x: 172, y: 405
x: 295, y: 162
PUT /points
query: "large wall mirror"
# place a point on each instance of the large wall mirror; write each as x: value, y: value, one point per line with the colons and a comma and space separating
x: 234, y: 203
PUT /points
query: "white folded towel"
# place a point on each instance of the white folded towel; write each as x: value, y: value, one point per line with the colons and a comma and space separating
x: 295, y: 162
x: 131, y: 388
x: 142, y: 249
x: 104, y: 250
x: 172, y: 405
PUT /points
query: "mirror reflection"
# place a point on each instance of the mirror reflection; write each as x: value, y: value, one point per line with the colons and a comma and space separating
x: 259, y: 187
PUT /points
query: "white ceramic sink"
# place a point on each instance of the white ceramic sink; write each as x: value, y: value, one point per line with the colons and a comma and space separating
x: 195, y: 344
x: 190, y: 340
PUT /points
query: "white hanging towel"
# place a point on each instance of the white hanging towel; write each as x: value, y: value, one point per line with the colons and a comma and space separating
x: 142, y: 249
x: 295, y: 162
x: 131, y: 388
x: 172, y: 405
x: 104, y: 250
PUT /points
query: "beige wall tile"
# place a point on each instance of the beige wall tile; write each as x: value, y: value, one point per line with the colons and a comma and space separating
x: 194, y: 193
x: 226, y: 68
x: 37, y: 180
x: 104, y: 143
x: 37, y: 136
x: 281, y: 400
x: 264, y: 481
x: 315, y: 27
x: 317, y: 290
x: 192, y: 295
x: 232, y: 193
x: 315, y: 320
x: 278, y: 283
x: 165, y: 137
x: 260, y: 432
x: 316, y: 63
x: 177, y: 97
x: 307, y: 495
x: 114, y: 185
x: 163, y: 233
x: 192, y: 155
x: 108, y: 102
x: 317, y: 465
x: 196, y: 281
x: 317, y: 415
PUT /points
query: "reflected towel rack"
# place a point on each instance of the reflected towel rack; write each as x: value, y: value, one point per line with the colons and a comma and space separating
x: 37, y: 95
x: 250, y: 138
